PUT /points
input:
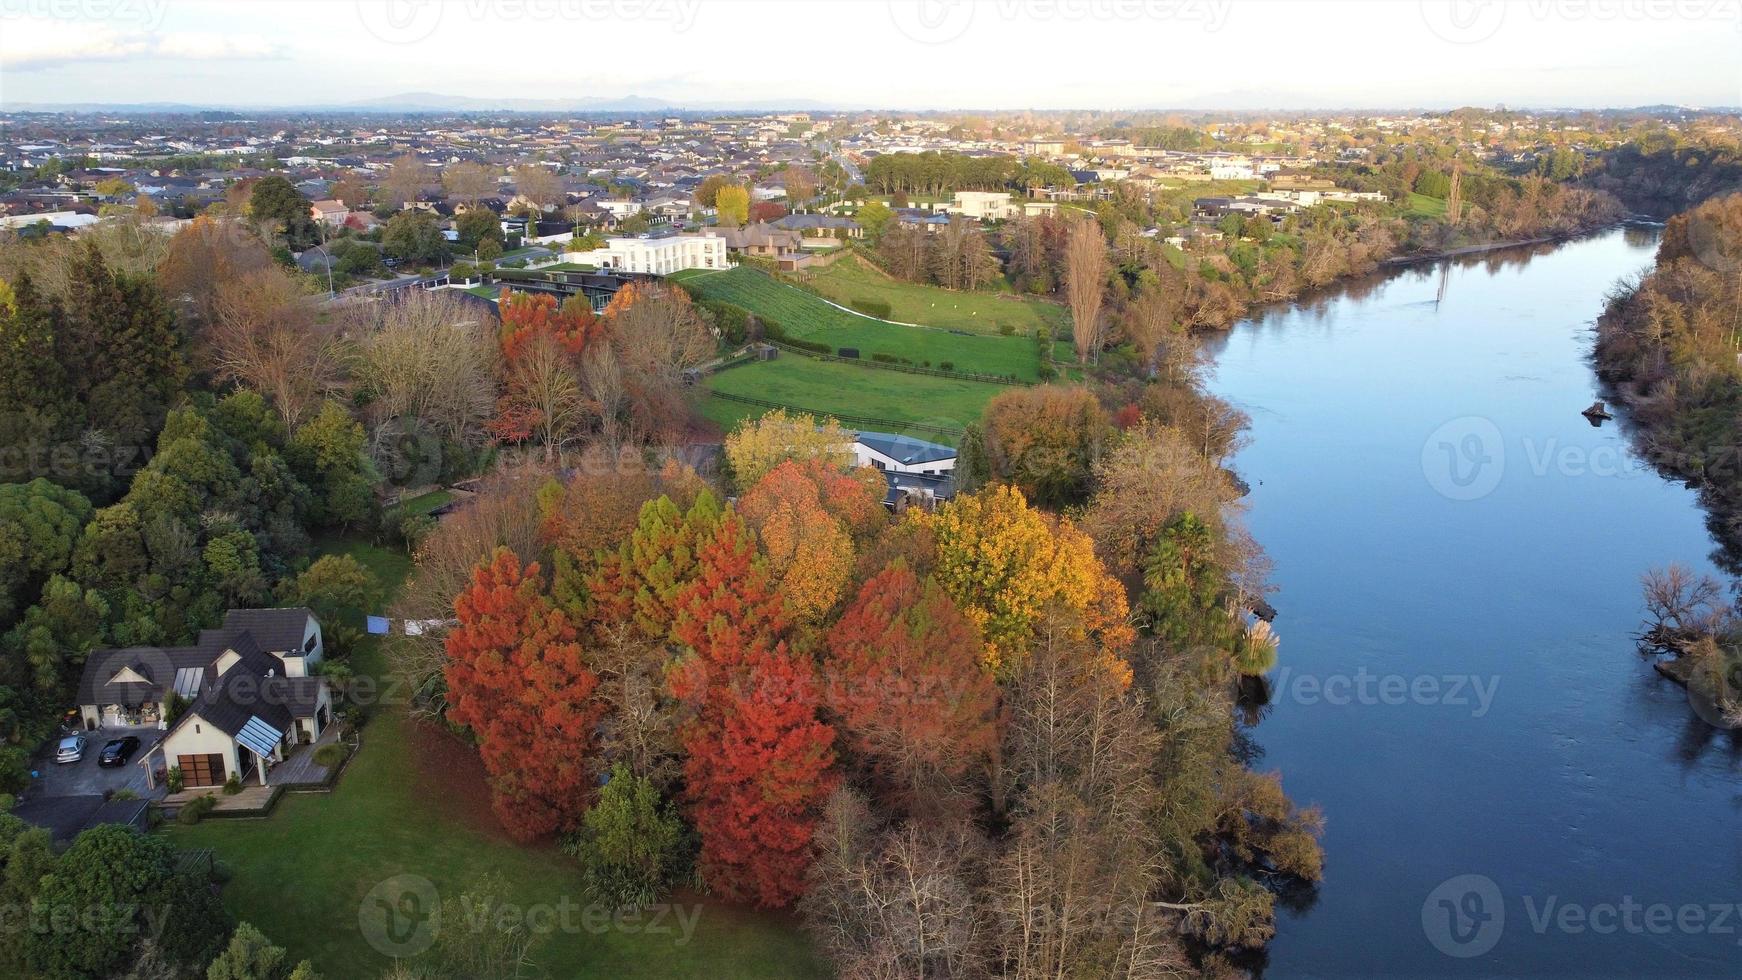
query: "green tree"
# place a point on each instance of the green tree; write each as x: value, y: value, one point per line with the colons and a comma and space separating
x: 102, y: 889
x: 415, y: 236
x: 340, y: 591
x: 276, y: 204
x: 40, y: 524
x: 874, y: 217
x: 327, y: 453
x: 477, y: 225
x: 630, y: 843
x: 251, y: 956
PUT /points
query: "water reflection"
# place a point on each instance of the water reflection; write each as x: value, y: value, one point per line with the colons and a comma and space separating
x: 1585, y: 764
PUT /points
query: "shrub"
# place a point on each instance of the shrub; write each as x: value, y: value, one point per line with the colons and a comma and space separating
x: 1048, y: 373
x: 194, y: 809
x: 233, y: 785
x: 871, y: 307
x: 946, y: 365
x: 1006, y: 329
x: 173, y: 779
x: 331, y: 754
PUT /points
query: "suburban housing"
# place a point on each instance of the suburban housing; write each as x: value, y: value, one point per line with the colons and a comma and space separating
x: 248, y: 690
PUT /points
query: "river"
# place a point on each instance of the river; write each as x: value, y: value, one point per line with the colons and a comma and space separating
x: 1508, y: 788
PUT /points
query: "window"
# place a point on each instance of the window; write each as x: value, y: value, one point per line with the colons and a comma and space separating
x: 308, y: 645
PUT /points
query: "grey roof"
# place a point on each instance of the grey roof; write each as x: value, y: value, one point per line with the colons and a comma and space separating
x: 906, y: 450
x: 276, y: 630
x: 66, y: 816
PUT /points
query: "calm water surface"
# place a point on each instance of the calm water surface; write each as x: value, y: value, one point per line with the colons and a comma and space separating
x: 1458, y: 554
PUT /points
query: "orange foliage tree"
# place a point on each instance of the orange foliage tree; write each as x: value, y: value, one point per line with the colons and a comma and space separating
x: 643, y: 582
x: 518, y: 679
x: 758, y: 759
x: 806, y: 513
x: 904, y: 679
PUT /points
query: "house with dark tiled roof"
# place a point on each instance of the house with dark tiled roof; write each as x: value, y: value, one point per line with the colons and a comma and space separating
x: 247, y: 693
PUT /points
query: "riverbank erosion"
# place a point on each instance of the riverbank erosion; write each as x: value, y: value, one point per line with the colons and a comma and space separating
x: 1669, y: 346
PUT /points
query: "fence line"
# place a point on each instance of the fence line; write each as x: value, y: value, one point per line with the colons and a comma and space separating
x: 850, y: 419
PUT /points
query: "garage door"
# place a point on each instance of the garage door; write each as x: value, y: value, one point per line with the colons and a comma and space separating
x: 201, y: 770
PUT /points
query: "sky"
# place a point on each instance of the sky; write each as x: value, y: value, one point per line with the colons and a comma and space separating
x: 902, y: 54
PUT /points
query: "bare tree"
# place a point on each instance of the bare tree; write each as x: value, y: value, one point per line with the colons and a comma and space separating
x: 538, y: 185
x: 429, y: 357
x: 469, y: 181
x: 265, y: 335
x: 405, y: 180
x: 1085, y: 285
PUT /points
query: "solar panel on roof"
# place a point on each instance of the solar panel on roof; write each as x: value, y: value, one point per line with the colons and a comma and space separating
x: 260, y: 737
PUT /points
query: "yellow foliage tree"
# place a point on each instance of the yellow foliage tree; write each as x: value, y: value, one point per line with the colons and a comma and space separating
x: 1007, y: 564
x: 810, y: 551
x: 733, y: 202
x: 756, y: 447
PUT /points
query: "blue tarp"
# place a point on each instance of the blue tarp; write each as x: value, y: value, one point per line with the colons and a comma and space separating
x: 377, y: 625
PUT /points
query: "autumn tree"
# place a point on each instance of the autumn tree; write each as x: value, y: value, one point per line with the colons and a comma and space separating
x: 204, y: 256
x: 733, y: 204
x: 906, y: 680
x: 266, y: 335
x: 1151, y: 475
x: 645, y: 581
x: 427, y: 363
x: 756, y: 447
x: 1085, y: 272
x: 502, y: 514
x: 1005, y: 563
x: 405, y: 180
x: 468, y: 181
x: 809, y: 549
x: 518, y: 678
x: 758, y: 758
x: 656, y: 335
x: 1045, y: 441
x: 538, y: 185
x: 276, y: 205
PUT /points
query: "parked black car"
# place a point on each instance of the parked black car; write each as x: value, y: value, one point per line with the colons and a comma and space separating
x: 118, y: 751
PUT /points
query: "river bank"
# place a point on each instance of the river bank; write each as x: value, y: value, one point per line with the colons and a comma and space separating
x: 1413, y: 578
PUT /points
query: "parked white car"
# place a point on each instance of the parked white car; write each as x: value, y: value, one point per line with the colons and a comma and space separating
x: 72, y: 749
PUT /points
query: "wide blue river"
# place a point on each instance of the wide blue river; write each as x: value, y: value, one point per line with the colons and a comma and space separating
x: 1508, y: 787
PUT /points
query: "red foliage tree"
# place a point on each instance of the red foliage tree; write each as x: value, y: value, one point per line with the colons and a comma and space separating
x: 528, y: 315
x: 767, y: 211
x: 517, y: 677
x: 758, y: 759
x: 644, y: 581
x: 904, y: 678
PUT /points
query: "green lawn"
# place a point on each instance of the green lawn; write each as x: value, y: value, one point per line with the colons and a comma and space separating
x: 806, y: 316
x: 1420, y: 205
x: 982, y: 312
x: 426, y: 502
x: 827, y: 387
x: 303, y: 873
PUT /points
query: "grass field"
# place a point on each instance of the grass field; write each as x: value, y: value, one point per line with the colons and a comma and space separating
x: 806, y: 316
x: 982, y: 312
x: 303, y: 873
x: 834, y: 388
x: 1420, y: 205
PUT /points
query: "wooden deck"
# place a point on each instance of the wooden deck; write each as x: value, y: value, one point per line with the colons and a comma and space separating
x: 300, y: 767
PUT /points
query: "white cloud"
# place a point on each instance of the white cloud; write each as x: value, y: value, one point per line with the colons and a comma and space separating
x: 27, y: 45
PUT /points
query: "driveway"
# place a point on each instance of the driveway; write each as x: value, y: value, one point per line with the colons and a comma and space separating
x: 85, y: 777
